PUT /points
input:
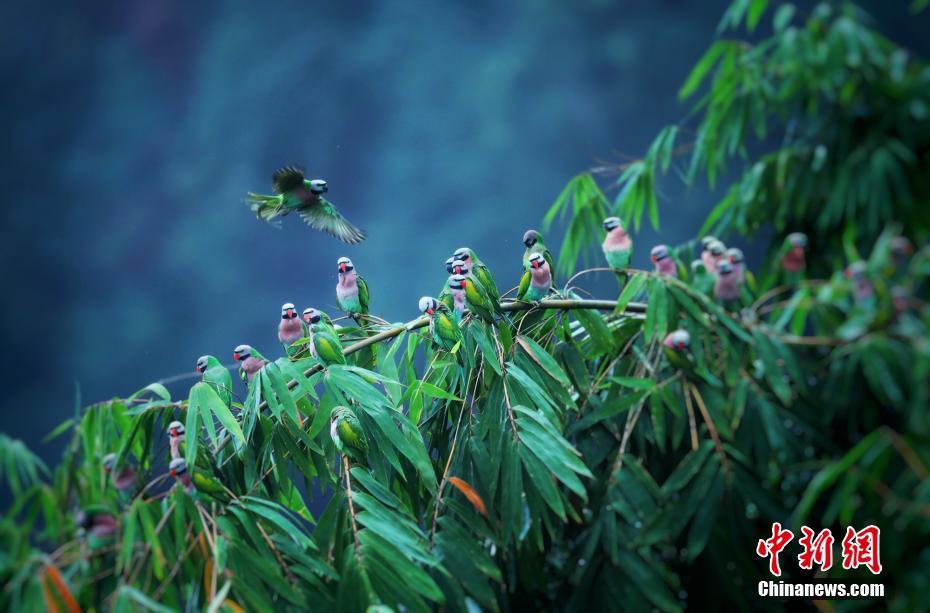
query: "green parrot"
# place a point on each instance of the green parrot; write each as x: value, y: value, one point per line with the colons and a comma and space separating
x: 617, y: 245
x: 702, y: 280
x: 327, y: 344
x: 217, y: 376
x: 197, y: 480
x: 537, y: 281
x: 351, y: 291
x: 347, y: 433
x: 476, y: 268
x: 442, y: 325
x: 793, y: 260
x: 250, y: 362
x: 295, y: 193
x: 475, y: 297
x: 534, y: 244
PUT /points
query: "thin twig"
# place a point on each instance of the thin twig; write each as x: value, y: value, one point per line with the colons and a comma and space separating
x: 358, y: 544
x: 277, y: 555
x: 710, y: 427
x: 691, y: 421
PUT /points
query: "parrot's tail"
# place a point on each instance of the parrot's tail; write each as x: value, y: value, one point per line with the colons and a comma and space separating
x: 265, y: 207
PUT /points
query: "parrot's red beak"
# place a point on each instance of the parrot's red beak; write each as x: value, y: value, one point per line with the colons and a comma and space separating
x: 174, y: 432
x: 342, y: 267
x: 429, y: 311
x: 236, y: 355
x: 291, y: 313
x: 172, y: 473
x: 535, y: 263
x: 653, y: 258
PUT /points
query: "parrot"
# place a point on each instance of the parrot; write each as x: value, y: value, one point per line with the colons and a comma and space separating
x: 664, y: 262
x: 475, y: 297
x: 701, y: 280
x: 347, y: 433
x: 715, y: 253
x: 727, y: 285
x: 125, y: 480
x: 901, y: 251
x: 351, y: 290
x: 706, y: 258
x: 97, y: 524
x: 308, y: 317
x: 534, y: 244
x: 453, y: 297
x: 318, y: 319
x: 217, y: 376
x: 176, y: 435
x: 295, y: 193
x: 676, y: 346
x: 736, y: 258
x: 442, y: 325
x: 251, y: 361
x: 537, y: 281
x: 863, y: 290
x: 793, y: 262
x: 617, y: 246
x: 198, y: 480
x: 326, y: 341
x: 290, y: 330
x: 479, y: 271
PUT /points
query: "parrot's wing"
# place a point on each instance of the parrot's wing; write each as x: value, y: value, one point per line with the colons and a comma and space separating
x: 524, y: 285
x: 322, y: 215
x: 446, y: 327
x: 286, y: 179
x: 265, y: 207
x: 488, y: 282
x: 363, y: 294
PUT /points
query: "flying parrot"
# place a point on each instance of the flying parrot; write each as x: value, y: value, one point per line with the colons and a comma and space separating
x: 351, y: 290
x: 199, y: 480
x: 479, y: 271
x: 250, y: 362
x: 617, y: 246
x: 442, y: 325
x: 295, y: 193
x: 290, y: 330
x: 217, y: 376
x: 537, y: 281
x: 534, y: 244
x: 665, y: 264
x: 347, y: 433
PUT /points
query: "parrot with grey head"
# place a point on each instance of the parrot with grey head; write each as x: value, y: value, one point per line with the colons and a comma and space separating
x: 706, y: 258
x: 293, y: 192
x: 347, y: 434
x: 537, y: 281
x: 176, y: 436
x: 325, y: 339
x: 196, y: 480
x: 216, y: 376
x: 664, y: 262
x: 715, y: 253
x: 727, y: 285
x: 351, y: 290
x: 291, y: 329
x: 442, y: 325
x: 617, y: 245
x: 793, y: 258
x: 676, y: 346
x: 453, y: 297
x: 250, y: 362
x: 476, y: 299
x: 479, y: 271
x: 534, y: 244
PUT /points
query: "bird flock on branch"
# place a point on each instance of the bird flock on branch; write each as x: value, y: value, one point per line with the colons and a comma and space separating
x: 472, y: 295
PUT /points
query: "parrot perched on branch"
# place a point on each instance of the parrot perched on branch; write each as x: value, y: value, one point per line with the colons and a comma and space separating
x: 537, y: 281
x: 216, y: 376
x: 198, y: 479
x: 665, y: 264
x: 290, y: 330
x: 125, y: 480
x: 351, y: 290
x: 617, y: 246
x: 534, y: 244
x: 442, y: 326
x: 347, y: 434
x: 250, y: 362
x: 295, y: 193
x: 476, y: 298
x: 476, y: 269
